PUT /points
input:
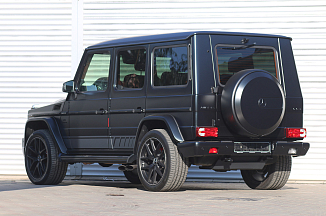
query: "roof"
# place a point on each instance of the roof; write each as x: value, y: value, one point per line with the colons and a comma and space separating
x: 171, y: 37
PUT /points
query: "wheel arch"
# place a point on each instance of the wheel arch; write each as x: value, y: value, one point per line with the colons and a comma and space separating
x: 167, y: 122
x: 48, y: 123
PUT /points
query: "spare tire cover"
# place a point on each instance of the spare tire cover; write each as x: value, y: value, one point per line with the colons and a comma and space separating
x: 253, y: 103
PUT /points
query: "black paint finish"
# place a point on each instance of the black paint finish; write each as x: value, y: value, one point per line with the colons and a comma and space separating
x: 107, y: 126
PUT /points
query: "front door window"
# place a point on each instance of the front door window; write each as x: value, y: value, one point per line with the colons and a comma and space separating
x: 96, y: 73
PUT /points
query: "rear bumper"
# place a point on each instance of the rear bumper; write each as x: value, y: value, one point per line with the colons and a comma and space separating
x: 201, y: 148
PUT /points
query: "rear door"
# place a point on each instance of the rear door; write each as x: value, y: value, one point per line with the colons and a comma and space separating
x: 236, y: 53
x: 128, y: 95
x: 170, y: 87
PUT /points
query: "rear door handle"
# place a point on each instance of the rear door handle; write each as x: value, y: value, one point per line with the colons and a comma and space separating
x: 139, y: 110
x: 101, y: 112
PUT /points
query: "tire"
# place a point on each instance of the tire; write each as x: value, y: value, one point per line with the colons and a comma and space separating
x: 271, y: 177
x: 160, y: 166
x: 253, y: 103
x: 41, y: 160
x: 132, y: 176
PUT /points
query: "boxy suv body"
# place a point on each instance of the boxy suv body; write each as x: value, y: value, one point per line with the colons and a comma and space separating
x: 157, y: 104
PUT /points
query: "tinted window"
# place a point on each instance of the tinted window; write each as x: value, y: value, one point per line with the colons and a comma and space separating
x: 131, y: 68
x: 170, y: 66
x: 231, y: 60
x: 96, y: 73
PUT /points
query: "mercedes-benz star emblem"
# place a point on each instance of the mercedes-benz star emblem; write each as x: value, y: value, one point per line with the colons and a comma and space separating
x: 262, y: 103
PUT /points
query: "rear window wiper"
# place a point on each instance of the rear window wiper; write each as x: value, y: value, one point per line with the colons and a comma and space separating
x: 241, y: 47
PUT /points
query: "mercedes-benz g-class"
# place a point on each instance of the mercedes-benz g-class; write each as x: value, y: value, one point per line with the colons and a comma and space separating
x: 158, y: 104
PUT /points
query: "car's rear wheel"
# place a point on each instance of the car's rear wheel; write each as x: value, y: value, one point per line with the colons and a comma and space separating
x: 41, y: 159
x: 160, y: 166
x: 271, y: 177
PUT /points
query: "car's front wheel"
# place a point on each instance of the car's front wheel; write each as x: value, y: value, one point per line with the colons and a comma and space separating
x: 41, y: 159
x: 271, y: 177
x: 160, y: 166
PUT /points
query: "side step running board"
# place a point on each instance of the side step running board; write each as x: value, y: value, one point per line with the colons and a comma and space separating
x: 94, y: 159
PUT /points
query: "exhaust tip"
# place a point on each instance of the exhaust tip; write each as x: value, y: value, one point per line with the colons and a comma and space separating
x: 122, y: 168
x: 131, y: 167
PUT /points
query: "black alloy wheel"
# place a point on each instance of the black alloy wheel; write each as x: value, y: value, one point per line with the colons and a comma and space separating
x: 42, y: 162
x: 153, y: 157
x: 37, y: 158
x: 160, y: 166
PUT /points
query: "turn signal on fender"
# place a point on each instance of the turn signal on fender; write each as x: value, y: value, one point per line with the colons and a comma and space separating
x: 296, y: 132
x: 207, y: 132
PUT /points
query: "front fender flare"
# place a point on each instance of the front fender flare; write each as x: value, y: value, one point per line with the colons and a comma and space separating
x: 53, y: 128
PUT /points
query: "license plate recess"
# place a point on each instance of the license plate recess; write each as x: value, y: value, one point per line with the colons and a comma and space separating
x: 252, y: 147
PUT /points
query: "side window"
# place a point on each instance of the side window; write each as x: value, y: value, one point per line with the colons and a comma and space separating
x: 231, y: 60
x: 96, y: 73
x: 170, y: 66
x: 131, y: 68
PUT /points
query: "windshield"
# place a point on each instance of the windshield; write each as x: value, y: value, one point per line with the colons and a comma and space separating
x: 231, y: 60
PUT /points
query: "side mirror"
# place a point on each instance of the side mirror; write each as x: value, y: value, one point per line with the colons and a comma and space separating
x: 68, y: 86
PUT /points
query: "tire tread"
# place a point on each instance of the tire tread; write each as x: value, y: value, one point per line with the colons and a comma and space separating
x: 277, y: 177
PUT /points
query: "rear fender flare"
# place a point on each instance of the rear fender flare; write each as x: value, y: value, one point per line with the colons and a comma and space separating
x: 170, y: 122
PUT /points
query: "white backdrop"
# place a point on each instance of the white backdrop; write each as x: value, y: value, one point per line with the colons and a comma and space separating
x: 42, y: 41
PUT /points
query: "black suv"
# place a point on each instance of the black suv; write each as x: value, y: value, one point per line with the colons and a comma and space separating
x: 157, y: 104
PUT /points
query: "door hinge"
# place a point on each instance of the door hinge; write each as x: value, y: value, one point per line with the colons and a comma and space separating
x: 215, y: 89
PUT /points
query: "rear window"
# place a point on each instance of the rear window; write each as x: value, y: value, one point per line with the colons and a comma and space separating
x: 131, y: 68
x: 232, y: 59
x: 170, y: 66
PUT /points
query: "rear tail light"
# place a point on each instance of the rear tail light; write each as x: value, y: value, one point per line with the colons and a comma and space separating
x: 207, y: 132
x: 296, y: 132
